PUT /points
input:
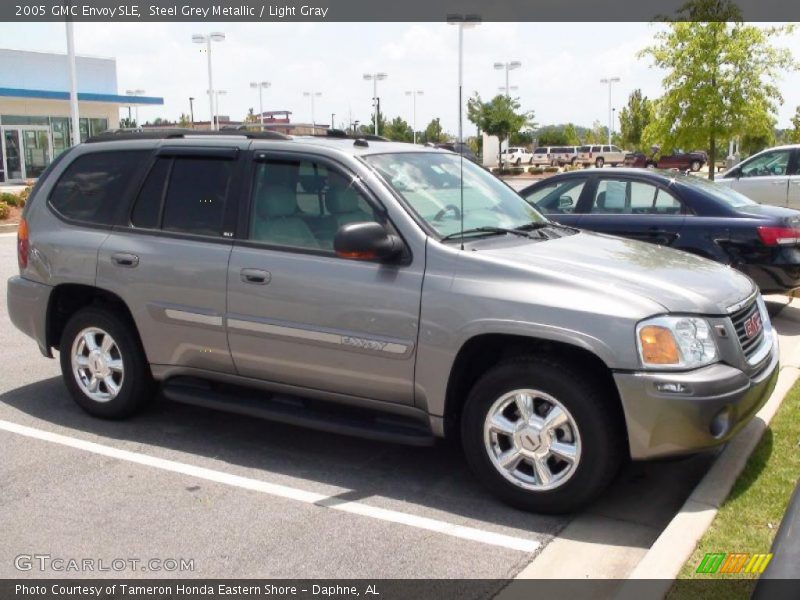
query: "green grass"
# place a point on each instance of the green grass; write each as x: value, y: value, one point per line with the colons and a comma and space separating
x: 749, y: 518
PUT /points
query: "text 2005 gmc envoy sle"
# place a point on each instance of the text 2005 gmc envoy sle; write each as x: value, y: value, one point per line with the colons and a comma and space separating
x: 384, y: 290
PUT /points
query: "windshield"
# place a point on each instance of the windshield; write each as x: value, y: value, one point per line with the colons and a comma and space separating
x: 430, y: 184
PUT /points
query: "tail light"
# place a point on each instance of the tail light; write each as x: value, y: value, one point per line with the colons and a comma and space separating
x: 779, y: 236
x: 23, y: 244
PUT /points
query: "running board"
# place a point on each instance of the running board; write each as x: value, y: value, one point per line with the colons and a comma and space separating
x: 293, y: 410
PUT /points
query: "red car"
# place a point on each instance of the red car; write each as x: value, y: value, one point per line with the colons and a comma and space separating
x: 683, y: 161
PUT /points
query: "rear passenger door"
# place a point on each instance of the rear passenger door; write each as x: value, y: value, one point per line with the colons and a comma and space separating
x: 168, y: 258
x: 634, y: 209
x: 301, y: 316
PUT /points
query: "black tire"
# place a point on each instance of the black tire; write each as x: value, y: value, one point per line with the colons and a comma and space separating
x: 599, y: 162
x: 651, y: 165
x: 519, y: 162
x: 695, y: 166
x: 573, y: 161
x: 593, y: 409
x: 136, y: 388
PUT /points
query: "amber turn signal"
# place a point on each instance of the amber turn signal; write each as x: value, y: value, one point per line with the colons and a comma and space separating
x: 658, y: 346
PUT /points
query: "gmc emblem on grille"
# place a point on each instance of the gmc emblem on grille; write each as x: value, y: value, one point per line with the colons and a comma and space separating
x: 752, y: 325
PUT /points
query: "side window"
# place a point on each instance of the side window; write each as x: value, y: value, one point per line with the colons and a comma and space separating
x: 606, y: 149
x: 557, y: 198
x: 93, y: 186
x: 769, y: 163
x: 147, y: 210
x: 633, y: 198
x: 196, y: 194
x: 302, y: 204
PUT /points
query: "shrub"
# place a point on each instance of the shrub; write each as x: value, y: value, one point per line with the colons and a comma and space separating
x: 8, y: 198
x: 535, y: 170
x: 22, y: 198
x: 517, y: 170
x: 5, y: 211
x: 551, y: 169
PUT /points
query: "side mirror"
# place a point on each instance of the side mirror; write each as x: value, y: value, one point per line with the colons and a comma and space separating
x: 366, y: 241
x: 564, y: 202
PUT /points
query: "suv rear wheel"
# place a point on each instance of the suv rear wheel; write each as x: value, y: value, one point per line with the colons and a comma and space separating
x: 540, y: 436
x: 695, y: 166
x: 103, y: 364
x: 599, y: 162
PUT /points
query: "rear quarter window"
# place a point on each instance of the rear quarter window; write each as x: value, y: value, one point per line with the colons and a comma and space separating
x: 92, y: 188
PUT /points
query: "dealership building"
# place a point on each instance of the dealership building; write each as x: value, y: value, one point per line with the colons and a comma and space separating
x: 35, y: 110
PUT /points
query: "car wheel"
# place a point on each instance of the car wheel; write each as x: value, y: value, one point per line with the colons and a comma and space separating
x: 530, y: 161
x: 541, y: 436
x: 519, y: 162
x: 695, y: 166
x: 573, y: 161
x: 651, y: 165
x: 599, y: 162
x: 103, y: 364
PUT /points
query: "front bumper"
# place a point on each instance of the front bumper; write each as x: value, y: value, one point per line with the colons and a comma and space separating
x: 27, y: 307
x: 717, y: 402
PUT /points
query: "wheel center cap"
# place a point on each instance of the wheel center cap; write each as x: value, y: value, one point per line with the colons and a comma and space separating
x: 98, y: 364
x: 531, y: 441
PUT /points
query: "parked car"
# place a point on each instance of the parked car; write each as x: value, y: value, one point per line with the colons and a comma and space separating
x: 564, y: 155
x: 385, y: 290
x: 600, y: 155
x: 459, y: 148
x: 516, y: 156
x: 683, y: 161
x: 770, y: 177
x: 542, y: 156
x: 684, y: 212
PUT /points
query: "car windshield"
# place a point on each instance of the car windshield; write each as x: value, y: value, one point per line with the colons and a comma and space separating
x: 727, y: 195
x: 431, y: 184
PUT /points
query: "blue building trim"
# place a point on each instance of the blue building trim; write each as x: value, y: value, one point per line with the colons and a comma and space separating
x: 82, y: 96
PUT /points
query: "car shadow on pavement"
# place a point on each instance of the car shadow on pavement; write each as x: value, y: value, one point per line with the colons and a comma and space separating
x: 431, y: 481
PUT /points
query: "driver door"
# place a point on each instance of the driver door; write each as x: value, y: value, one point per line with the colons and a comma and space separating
x: 765, y: 177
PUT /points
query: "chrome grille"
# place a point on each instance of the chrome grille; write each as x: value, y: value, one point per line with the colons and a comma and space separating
x: 749, y: 345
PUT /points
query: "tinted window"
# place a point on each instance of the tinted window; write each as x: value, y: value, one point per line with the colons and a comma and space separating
x: 606, y: 148
x: 303, y: 204
x: 633, y: 198
x: 93, y: 186
x: 769, y: 163
x: 147, y: 210
x: 558, y: 198
x: 196, y: 194
x: 541, y: 151
x: 584, y: 149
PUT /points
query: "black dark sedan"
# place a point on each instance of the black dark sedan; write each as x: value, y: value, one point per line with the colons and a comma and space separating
x: 681, y: 211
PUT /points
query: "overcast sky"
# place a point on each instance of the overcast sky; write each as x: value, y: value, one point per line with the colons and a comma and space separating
x: 562, y: 64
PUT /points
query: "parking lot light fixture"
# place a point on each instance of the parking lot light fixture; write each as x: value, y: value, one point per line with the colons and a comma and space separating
x: 610, y: 81
x: 260, y: 86
x: 414, y: 94
x: 199, y: 38
x: 375, y: 78
x: 312, y: 95
x: 508, y: 66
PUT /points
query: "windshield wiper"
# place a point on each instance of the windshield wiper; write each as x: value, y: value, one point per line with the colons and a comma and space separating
x: 487, y: 229
x: 533, y: 225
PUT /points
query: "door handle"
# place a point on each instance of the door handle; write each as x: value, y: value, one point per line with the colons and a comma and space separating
x: 255, y: 276
x: 125, y: 259
x: 778, y: 182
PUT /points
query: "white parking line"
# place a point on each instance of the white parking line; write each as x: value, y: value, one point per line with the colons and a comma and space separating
x: 282, y: 491
x: 12, y: 234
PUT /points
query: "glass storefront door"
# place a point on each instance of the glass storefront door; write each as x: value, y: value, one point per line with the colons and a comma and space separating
x: 26, y: 151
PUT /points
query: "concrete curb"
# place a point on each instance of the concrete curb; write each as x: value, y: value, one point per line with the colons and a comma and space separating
x: 679, y: 539
x: 8, y: 227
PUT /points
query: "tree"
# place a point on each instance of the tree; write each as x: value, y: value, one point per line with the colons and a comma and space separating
x: 634, y: 119
x: 433, y: 133
x: 794, y: 134
x: 399, y: 130
x: 598, y: 134
x: 369, y: 128
x: 553, y: 135
x: 571, y: 135
x: 184, y: 121
x: 251, y: 116
x: 720, y: 79
x: 499, y: 116
x: 127, y: 123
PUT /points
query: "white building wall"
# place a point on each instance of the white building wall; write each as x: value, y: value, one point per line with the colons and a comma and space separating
x: 44, y: 71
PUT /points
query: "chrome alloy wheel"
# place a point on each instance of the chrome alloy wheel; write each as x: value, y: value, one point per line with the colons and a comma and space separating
x: 97, y: 364
x: 532, y: 440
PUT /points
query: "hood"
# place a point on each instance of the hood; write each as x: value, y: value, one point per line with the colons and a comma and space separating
x: 678, y: 281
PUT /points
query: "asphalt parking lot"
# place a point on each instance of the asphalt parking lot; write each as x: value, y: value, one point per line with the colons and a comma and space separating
x: 248, y: 498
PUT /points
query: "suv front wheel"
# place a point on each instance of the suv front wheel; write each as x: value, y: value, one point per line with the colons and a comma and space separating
x: 103, y: 364
x: 540, y: 436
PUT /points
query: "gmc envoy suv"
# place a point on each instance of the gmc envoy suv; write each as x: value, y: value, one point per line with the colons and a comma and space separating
x: 385, y: 290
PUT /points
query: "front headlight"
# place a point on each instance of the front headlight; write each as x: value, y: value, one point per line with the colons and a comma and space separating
x: 675, y: 342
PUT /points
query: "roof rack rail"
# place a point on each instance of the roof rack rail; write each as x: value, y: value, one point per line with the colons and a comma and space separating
x: 341, y: 133
x: 112, y: 135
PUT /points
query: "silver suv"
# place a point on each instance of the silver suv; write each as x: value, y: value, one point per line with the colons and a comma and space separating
x: 385, y: 290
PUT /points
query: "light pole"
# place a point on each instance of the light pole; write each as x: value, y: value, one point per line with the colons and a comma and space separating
x: 507, y: 66
x: 333, y: 118
x: 463, y: 22
x: 135, y: 93
x: 414, y: 94
x: 613, y: 124
x: 73, y: 87
x: 260, y: 86
x: 191, y: 110
x: 375, y: 78
x: 610, y: 81
x: 217, y: 94
x: 199, y: 38
x: 312, y: 95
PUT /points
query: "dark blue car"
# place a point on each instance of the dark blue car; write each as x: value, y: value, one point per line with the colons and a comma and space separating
x: 681, y: 211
